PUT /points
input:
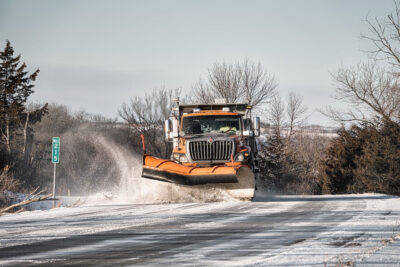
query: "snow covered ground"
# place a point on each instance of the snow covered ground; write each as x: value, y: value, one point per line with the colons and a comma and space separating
x: 273, y: 230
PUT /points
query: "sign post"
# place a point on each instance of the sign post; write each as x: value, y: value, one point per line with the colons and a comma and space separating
x: 55, y: 158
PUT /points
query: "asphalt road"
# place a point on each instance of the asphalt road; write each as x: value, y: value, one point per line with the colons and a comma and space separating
x: 280, y: 230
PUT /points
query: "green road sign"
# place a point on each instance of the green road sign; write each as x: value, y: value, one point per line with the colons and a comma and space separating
x: 55, y: 154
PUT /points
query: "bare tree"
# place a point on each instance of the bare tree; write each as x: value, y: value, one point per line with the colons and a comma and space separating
x: 290, y: 114
x: 32, y: 115
x: 201, y: 93
x: 289, y: 161
x: 225, y: 81
x: 149, y: 110
x: 372, y: 92
x: 372, y: 89
x: 276, y: 115
x: 146, y: 115
x: 296, y: 111
x: 247, y: 82
x: 258, y: 85
x: 384, y: 34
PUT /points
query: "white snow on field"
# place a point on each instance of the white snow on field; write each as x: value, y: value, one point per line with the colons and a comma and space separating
x: 342, y: 229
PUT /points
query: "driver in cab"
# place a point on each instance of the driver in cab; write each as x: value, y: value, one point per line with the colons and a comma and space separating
x: 228, y: 126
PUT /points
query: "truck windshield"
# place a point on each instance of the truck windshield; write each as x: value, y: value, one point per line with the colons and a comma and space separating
x: 210, y: 124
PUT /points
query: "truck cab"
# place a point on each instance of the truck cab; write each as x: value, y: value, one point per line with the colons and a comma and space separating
x: 213, y: 134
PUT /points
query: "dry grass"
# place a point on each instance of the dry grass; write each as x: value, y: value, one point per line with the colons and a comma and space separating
x: 8, y: 183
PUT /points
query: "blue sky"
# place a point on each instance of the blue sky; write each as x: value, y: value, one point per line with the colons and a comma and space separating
x: 94, y: 55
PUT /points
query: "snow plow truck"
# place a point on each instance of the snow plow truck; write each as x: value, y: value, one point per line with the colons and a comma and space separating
x: 214, y: 145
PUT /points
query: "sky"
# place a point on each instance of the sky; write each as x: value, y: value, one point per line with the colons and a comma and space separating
x: 95, y: 55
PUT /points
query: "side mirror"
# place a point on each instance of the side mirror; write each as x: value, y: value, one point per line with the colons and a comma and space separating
x: 246, y: 124
x: 167, y: 130
x: 256, y: 126
x: 175, y: 128
x: 247, y: 133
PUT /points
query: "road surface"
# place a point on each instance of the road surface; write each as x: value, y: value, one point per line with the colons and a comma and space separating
x: 281, y: 230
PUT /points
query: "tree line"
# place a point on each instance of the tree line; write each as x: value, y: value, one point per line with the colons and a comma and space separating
x: 363, y: 157
x: 366, y: 155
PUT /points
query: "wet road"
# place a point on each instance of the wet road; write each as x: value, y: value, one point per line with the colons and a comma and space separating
x: 281, y: 230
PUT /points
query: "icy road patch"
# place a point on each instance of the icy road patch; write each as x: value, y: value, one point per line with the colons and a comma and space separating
x: 280, y: 230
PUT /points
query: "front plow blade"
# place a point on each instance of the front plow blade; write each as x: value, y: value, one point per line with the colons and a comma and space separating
x: 170, y: 171
x: 239, y: 182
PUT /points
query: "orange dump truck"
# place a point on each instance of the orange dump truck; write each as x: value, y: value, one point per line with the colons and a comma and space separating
x: 213, y: 144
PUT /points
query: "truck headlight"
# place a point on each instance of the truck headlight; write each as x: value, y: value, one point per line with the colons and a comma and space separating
x: 179, y: 157
x: 175, y: 156
x: 241, y: 156
x: 183, y: 158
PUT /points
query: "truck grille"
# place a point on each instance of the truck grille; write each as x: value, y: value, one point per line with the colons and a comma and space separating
x: 204, y: 150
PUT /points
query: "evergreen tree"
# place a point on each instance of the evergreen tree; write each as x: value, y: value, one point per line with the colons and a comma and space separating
x: 340, y: 162
x: 271, y: 162
x: 365, y: 159
x: 15, y: 88
x: 378, y: 169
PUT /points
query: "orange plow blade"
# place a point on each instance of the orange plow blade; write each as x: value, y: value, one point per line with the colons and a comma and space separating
x: 238, y: 181
x: 170, y: 171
